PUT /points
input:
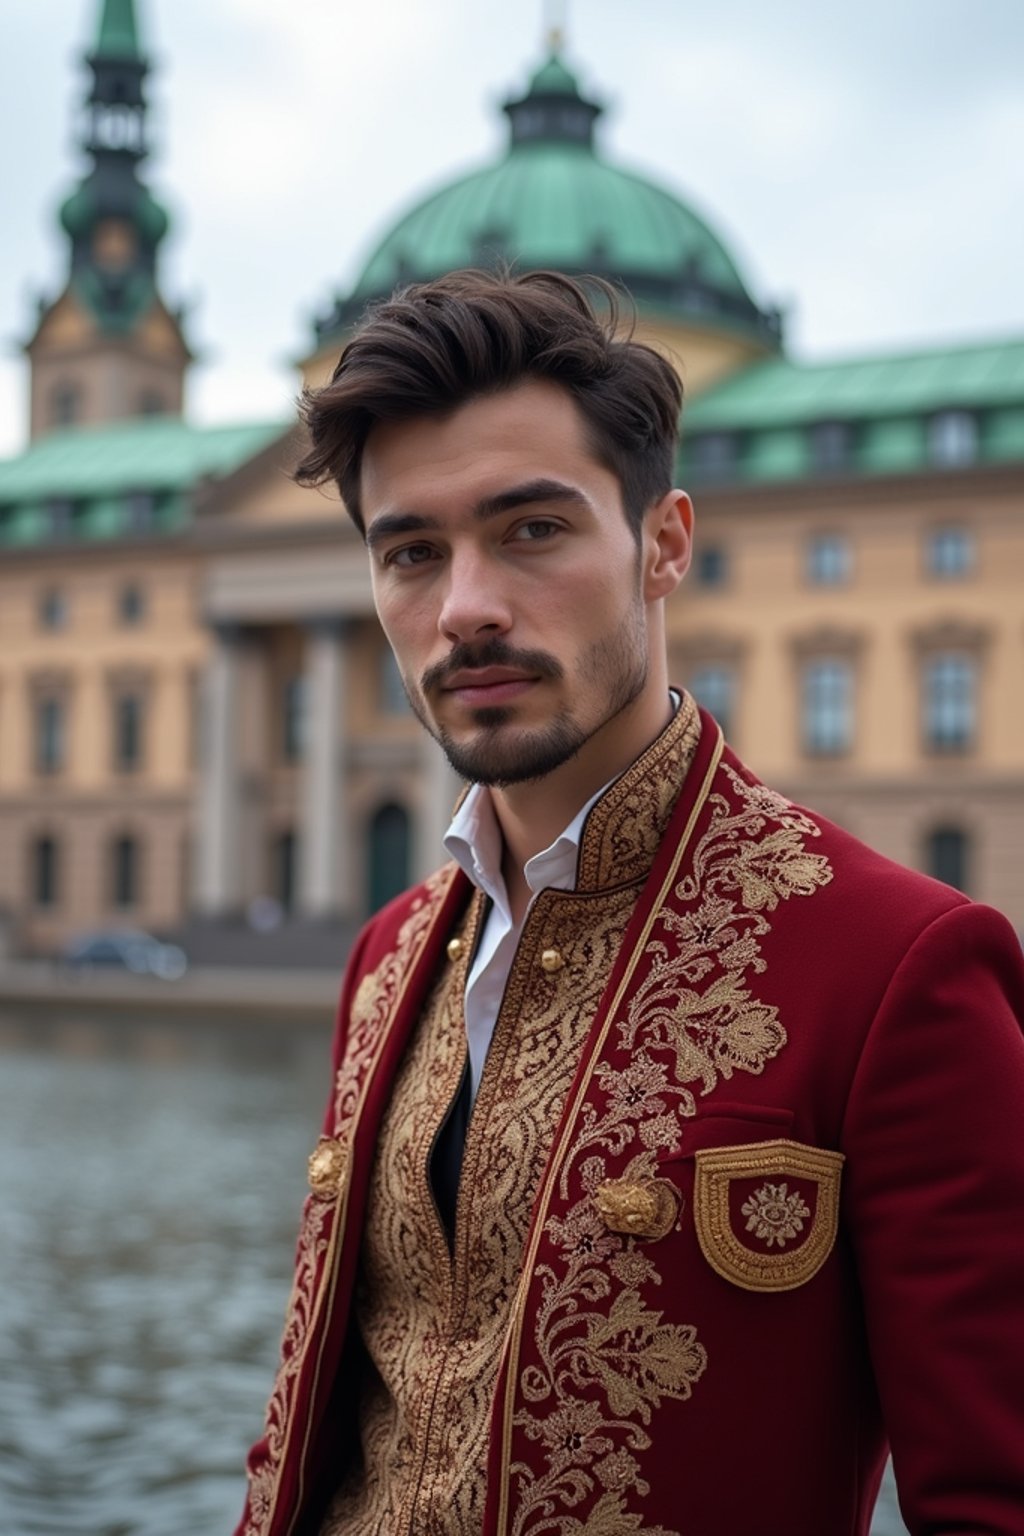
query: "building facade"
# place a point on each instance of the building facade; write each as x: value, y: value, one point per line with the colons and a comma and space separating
x: 198, y: 710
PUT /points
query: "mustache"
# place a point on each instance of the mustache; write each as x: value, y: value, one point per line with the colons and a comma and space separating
x: 490, y: 653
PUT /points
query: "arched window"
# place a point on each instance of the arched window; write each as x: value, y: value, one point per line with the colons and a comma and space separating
x: 125, y: 872
x: 947, y: 854
x: 390, y: 839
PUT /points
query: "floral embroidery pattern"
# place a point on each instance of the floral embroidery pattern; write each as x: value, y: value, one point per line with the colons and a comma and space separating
x: 319, y: 1236
x: 774, y: 1215
x: 605, y: 1358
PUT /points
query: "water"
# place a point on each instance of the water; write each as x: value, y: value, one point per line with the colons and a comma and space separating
x: 151, y: 1193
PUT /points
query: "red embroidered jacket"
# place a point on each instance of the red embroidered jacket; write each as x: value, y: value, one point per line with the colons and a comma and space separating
x: 781, y: 1222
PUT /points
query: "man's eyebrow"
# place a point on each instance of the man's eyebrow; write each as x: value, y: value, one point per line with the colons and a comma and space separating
x: 530, y: 493
x: 527, y: 494
x: 391, y: 523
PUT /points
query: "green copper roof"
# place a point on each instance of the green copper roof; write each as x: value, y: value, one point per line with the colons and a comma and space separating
x: 764, y: 419
x: 554, y: 79
x: 550, y: 205
x: 553, y: 201
x: 118, y: 36
x: 784, y: 391
x: 153, y: 454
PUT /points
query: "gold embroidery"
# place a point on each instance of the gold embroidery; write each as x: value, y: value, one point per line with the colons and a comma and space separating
x: 373, y: 1008
x: 775, y: 1214
x: 435, y: 1324
x: 623, y: 831
x: 690, y: 1022
x: 637, y: 1208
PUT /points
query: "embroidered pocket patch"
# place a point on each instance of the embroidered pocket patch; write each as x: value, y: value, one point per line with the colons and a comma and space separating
x: 767, y: 1213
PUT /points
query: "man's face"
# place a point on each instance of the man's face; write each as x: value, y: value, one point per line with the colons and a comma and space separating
x: 507, y: 580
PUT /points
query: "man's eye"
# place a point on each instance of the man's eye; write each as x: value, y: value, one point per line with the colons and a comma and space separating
x: 537, y: 528
x: 410, y: 554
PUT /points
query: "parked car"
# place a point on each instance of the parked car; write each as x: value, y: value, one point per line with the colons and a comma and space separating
x: 127, y: 948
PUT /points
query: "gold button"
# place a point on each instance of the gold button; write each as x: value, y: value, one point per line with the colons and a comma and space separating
x: 455, y: 947
x: 551, y: 960
x: 328, y: 1166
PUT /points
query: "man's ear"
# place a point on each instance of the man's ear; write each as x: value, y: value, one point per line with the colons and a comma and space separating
x: 667, y: 544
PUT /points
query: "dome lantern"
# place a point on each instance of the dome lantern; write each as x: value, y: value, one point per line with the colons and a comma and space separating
x: 553, y: 110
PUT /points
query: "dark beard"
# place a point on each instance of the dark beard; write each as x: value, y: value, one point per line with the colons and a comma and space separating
x: 499, y: 755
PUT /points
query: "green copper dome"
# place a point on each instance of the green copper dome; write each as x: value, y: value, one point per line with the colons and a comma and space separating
x: 553, y: 201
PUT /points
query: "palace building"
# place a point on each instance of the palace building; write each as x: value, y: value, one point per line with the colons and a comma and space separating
x: 197, y: 707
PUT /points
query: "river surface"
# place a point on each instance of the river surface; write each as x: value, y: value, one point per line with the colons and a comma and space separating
x: 150, y: 1188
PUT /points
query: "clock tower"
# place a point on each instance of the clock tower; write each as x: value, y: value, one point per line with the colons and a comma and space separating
x: 108, y: 347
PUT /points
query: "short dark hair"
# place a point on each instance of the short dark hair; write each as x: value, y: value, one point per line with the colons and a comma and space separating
x: 433, y: 347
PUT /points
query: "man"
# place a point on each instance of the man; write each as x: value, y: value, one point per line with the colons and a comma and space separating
x: 674, y: 1157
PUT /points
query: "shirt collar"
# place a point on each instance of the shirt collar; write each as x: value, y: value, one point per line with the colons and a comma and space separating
x: 474, y: 841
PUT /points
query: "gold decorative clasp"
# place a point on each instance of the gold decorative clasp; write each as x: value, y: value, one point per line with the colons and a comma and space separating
x: 638, y: 1207
x: 328, y: 1167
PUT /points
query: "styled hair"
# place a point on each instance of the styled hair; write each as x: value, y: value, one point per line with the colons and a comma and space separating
x: 435, y: 346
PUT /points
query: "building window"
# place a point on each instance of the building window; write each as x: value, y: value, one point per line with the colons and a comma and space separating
x: 827, y: 707
x: 125, y: 872
x: 127, y: 732
x: 293, y: 720
x: 141, y: 512
x: 44, y: 872
x: 391, y: 697
x: 53, y: 609
x: 711, y: 566
x: 60, y: 515
x: 284, y: 858
x: 950, y: 705
x: 946, y: 856
x: 390, y: 847
x: 953, y: 439
x: 714, y: 686
x: 950, y: 552
x: 131, y: 604
x: 50, y: 733
x: 65, y: 404
x: 831, y: 446
x: 714, y: 455
x: 828, y: 560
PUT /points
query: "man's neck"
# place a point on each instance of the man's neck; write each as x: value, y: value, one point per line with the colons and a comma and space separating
x: 533, y: 814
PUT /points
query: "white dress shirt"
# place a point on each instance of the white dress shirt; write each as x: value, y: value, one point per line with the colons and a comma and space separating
x: 474, y: 841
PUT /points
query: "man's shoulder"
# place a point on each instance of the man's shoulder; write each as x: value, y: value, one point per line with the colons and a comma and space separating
x: 861, y: 878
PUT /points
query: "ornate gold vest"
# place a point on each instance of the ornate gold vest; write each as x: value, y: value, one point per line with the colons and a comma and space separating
x: 433, y: 1322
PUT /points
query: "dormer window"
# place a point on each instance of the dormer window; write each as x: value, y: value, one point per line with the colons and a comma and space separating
x: 714, y: 454
x: 831, y: 446
x: 953, y: 439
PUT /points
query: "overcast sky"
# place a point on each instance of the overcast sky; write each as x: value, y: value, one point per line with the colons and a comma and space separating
x: 863, y: 162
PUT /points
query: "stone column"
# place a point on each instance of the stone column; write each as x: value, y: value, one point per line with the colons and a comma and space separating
x: 322, y: 888
x: 441, y: 788
x: 218, y: 884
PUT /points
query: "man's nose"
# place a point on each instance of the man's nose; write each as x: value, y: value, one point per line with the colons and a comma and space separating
x: 476, y: 599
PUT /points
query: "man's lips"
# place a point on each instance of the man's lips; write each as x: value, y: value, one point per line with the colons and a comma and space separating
x: 488, y: 685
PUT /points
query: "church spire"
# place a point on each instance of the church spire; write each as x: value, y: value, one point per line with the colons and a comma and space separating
x: 115, y: 227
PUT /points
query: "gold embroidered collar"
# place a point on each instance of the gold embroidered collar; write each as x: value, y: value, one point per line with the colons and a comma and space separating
x: 623, y: 832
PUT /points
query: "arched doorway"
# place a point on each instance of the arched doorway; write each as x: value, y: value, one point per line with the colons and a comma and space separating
x: 389, y: 849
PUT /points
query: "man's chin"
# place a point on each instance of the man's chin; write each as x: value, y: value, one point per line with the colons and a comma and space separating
x: 499, y: 756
